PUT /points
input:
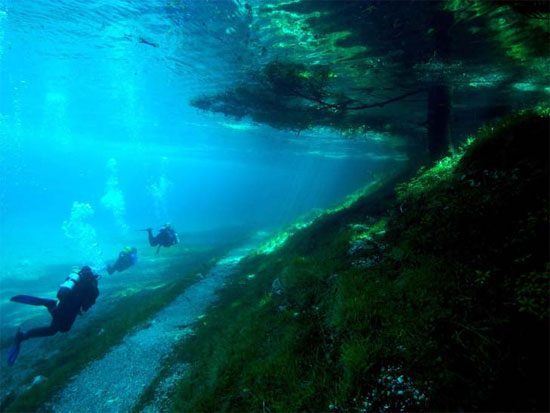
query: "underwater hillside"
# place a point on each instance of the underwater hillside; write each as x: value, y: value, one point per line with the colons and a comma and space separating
x: 274, y: 206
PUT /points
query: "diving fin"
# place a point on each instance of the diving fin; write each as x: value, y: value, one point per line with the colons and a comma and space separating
x: 13, y: 353
x: 14, y: 350
x: 29, y: 299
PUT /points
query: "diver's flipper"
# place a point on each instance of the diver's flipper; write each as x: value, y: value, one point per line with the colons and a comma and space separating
x: 29, y: 299
x: 13, y: 353
x: 158, y: 249
x: 14, y: 350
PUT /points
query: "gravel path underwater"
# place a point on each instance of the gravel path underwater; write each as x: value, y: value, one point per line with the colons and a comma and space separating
x: 115, y: 382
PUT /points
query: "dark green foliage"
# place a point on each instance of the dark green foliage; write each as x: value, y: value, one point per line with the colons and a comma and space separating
x: 519, y: 28
x: 284, y: 95
x: 421, y: 73
x: 445, y: 309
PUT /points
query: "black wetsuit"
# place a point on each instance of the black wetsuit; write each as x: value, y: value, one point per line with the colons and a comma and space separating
x: 125, y: 260
x: 71, y: 303
x: 165, y: 238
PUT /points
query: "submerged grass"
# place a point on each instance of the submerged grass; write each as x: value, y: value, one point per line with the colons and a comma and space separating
x: 434, y: 298
x: 279, y: 240
x: 76, y: 350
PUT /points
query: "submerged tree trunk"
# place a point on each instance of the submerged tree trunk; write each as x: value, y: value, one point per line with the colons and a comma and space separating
x: 439, y: 94
x: 439, y: 119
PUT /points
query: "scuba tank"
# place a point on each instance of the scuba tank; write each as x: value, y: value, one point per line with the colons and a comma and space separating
x: 71, y: 283
x: 68, y: 286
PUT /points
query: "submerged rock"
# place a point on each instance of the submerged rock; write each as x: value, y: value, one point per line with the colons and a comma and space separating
x: 366, y: 262
x: 36, y: 381
x: 394, y: 392
x: 277, y: 287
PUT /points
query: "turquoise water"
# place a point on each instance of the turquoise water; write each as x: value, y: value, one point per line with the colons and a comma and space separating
x: 98, y: 138
x: 112, y: 120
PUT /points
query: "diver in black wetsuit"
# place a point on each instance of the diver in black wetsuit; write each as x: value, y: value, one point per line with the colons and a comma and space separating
x: 126, y: 258
x: 78, y: 293
x: 165, y: 238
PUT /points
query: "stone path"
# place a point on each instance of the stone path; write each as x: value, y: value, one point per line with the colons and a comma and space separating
x: 115, y: 382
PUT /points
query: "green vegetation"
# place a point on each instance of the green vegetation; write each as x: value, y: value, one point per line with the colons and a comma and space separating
x: 432, y: 298
x: 74, y: 351
x: 520, y: 28
x: 280, y: 239
x: 405, y: 72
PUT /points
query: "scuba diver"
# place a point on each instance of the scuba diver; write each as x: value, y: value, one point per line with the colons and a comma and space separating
x: 77, y: 293
x: 126, y: 258
x: 165, y: 238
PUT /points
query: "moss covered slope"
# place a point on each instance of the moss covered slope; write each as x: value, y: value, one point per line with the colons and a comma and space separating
x: 431, y: 298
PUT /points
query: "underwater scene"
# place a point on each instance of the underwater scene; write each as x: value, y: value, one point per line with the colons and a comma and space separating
x: 274, y: 205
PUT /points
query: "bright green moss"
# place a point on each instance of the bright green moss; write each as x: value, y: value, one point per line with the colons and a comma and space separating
x: 441, y: 172
x: 369, y: 232
x: 281, y: 238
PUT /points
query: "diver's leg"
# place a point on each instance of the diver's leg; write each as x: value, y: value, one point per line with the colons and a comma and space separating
x: 13, y: 352
x: 153, y: 241
x: 51, y: 306
x: 30, y: 300
x: 39, y: 332
x: 22, y: 336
